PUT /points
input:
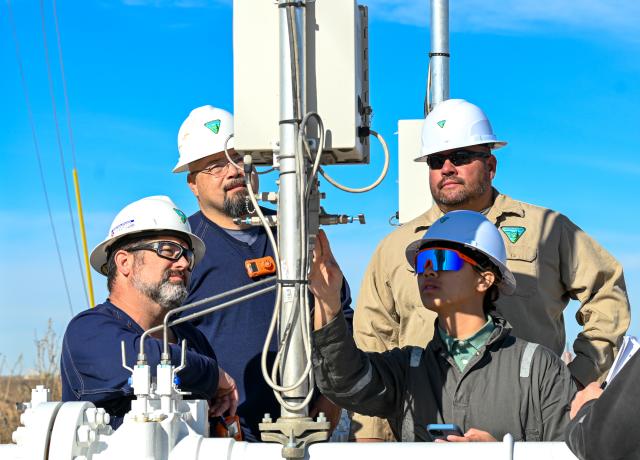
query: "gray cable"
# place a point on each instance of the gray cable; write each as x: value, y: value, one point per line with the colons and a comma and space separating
x: 32, y: 124
x: 60, y: 149
x: 377, y: 182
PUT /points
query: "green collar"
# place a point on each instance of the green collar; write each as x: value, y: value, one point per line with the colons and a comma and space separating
x: 462, y: 351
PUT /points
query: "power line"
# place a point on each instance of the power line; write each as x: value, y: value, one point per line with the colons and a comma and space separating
x: 37, y: 151
x: 60, y: 149
x: 89, y: 283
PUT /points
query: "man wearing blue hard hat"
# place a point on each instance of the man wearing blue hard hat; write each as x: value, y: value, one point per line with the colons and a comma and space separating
x: 473, y: 373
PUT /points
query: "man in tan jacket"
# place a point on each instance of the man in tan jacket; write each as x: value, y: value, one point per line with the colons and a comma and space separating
x: 552, y: 259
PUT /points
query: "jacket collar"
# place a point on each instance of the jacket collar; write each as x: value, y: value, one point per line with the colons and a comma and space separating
x: 502, y: 330
x: 502, y: 204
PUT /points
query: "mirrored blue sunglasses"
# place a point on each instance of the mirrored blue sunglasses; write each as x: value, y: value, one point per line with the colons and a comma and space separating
x: 441, y: 259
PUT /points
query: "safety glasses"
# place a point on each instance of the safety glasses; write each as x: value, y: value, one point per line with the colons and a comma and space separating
x: 441, y: 259
x: 457, y: 158
x: 220, y: 168
x: 167, y: 250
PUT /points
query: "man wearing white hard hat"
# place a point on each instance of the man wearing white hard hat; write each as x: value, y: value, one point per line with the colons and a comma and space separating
x: 147, y: 257
x: 238, y: 333
x: 472, y: 373
x: 552, y: 259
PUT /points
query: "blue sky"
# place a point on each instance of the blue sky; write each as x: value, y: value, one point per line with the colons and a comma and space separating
x: 558, y: 80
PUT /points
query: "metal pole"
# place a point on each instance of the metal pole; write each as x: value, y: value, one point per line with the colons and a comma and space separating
x: 291, y: 19
x: 439, y: 54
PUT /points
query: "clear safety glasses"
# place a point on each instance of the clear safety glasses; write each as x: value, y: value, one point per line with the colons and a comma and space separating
x: 441, y: 259
x: 167, y: 250
x: 221, y: 167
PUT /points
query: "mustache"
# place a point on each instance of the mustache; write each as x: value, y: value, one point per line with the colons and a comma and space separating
x: 456, y: 180
x: 169, y: 273
x: 234, y: 183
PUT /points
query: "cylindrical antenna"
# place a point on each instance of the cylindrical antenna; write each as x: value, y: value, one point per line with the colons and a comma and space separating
x: 439, y: 55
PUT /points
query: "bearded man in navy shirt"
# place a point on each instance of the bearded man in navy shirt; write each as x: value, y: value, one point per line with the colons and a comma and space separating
x: 236, y: 333
x: 147, y: 258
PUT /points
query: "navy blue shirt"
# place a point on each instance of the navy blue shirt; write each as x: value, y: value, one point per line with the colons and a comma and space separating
x: 91, y: 364
x: 238, y: 333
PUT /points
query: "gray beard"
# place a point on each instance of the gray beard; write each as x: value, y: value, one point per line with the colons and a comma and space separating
x: 166, y: 294
x: 236, y: 205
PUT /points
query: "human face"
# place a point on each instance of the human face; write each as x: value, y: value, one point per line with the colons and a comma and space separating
x: 223, y: 193
x: 466, y: 186
x: 162, y: 280
x: 453, y: 290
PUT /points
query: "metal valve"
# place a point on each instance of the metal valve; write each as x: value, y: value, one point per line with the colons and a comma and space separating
x: 255, y: 221
x: 334, y: 219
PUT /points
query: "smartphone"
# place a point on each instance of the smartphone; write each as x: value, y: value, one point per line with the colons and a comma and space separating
x: 442, y: 430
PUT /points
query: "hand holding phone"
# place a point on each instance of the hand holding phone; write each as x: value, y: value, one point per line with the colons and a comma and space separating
x: 442, y: 430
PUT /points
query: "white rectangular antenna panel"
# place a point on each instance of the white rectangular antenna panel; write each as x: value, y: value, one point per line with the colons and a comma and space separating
x: 414, y: 195
x: 337, y: 78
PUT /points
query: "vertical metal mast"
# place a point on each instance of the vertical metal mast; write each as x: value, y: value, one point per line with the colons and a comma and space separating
x: 439, y: 54
x: 292, y: 97
x: 294, y: 429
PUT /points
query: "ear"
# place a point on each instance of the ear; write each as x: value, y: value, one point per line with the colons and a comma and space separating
x: 124, y: 262
x: 486, y: 279
x: 492, y: 166
x: 191, y: 182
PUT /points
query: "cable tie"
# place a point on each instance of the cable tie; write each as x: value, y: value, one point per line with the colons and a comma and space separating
x: 293, y: 121
x: 291, y: 282
x: 439, y: 54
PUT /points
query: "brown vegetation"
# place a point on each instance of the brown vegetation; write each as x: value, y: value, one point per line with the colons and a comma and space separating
x: 15, y: 388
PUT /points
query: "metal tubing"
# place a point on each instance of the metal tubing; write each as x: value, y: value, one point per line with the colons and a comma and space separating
x: 191, y: 305
x: 292, y: 106
x: 175, y: 311
x: 202, y: 313
x: 83, y: 234
x: 439, y: 51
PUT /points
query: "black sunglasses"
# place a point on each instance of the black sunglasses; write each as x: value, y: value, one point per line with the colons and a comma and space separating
x: 167, y: 250
x: 457, y: 158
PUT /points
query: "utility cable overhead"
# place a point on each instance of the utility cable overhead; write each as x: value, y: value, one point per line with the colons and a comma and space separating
x: 64, y: 85
x: 25, y: 92
x: 60, y: 149
x: 76, y: 180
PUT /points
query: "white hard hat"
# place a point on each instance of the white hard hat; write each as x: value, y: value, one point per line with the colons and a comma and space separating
x: 203, y: 133
x: 453, y: 124
x: 154, y: 214
x: 474, y: 231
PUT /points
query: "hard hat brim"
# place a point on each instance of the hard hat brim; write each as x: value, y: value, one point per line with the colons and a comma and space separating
x: 496, y: 145
x: 508, y: 283
x: 183, y: 166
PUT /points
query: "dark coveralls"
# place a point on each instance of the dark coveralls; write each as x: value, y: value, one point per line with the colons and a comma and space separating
x: 238, y: 333
x: 510, y: 386
x: 91, y: 365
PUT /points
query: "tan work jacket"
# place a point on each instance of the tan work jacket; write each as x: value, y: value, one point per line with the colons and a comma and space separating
x: 553, y: 261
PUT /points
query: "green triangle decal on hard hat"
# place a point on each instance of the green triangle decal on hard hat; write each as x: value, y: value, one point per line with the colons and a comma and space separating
x: 441, y: 123
x: 183, y: 216
x: 213, y: 125
x: 513, y: 233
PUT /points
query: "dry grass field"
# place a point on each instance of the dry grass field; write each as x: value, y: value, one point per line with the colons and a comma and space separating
x: 15, y: 387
